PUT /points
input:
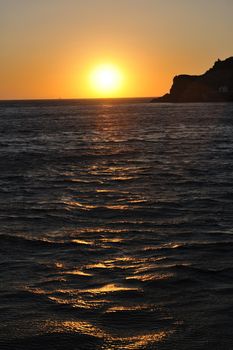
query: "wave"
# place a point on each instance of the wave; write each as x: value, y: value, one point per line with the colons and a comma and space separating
x: 116, y: 226
x: 15, y: 241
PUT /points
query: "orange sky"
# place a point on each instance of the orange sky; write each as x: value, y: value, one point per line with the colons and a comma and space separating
x: 49, y: 47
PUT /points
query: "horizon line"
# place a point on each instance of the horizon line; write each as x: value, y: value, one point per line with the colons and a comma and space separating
x: 75, y: 98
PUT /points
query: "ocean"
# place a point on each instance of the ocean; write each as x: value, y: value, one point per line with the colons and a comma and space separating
x: 116, y: 225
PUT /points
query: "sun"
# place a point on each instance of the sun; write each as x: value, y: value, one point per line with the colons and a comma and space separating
x: 106, y: 80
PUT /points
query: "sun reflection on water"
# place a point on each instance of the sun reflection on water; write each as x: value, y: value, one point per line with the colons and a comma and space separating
x: 109, y: 288
x: 81, y: 241
x: 77, y: 272
x: 111, y: 341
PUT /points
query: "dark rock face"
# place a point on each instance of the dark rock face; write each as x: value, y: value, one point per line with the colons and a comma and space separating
x: 216, y: 85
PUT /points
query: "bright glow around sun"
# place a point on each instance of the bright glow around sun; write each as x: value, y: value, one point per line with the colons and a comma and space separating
x: 106, y: 80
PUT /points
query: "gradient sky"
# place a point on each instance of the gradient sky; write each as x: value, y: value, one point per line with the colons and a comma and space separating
x: 48, y: 47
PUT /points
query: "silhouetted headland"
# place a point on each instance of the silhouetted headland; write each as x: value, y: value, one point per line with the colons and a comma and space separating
x: 215, y: 85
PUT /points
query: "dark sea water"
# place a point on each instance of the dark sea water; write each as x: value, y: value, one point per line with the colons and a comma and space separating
x: 116, y: 226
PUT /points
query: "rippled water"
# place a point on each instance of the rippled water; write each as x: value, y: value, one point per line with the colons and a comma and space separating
x: 116, y: 226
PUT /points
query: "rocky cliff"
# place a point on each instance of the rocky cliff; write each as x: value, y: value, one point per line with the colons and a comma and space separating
x: 215, y: 85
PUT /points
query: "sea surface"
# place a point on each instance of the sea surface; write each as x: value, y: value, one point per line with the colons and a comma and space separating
x: 116, y: 225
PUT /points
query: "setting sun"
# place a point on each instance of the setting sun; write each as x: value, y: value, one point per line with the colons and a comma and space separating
x: 106, y: 80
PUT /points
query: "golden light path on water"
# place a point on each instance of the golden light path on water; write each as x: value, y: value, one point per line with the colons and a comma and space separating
x: 119, y: 265
x: 100, y: 297
x: 136, y: 270
x: 127, y: 342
